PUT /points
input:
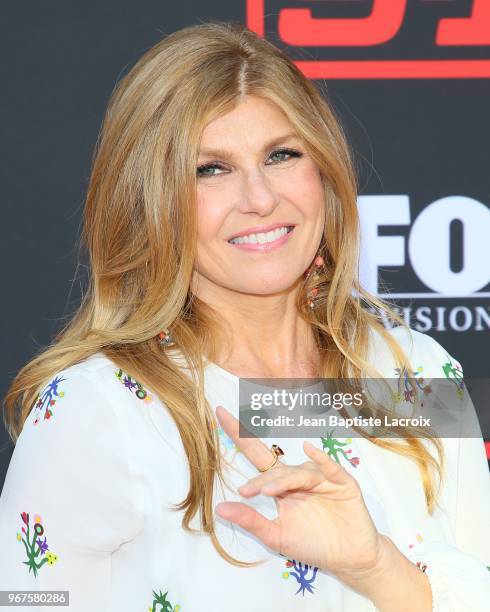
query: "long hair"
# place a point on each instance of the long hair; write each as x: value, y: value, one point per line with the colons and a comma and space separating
x: 140, y: 234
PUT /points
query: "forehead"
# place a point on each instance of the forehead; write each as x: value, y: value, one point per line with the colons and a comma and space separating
x: 251, y: 122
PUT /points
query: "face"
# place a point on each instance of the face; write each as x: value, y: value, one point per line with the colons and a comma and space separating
x: 253, y: 173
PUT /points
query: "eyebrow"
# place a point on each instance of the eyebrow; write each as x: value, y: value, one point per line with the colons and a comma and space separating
x: 223, y: 153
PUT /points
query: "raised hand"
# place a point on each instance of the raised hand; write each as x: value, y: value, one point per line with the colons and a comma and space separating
x: 322, y: 518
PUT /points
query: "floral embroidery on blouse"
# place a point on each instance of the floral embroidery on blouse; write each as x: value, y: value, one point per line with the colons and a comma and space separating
x: 408, y: 392
x: 334, y: 449
x: 303, y: 573
x: 420, y: 564
x: 160, y: 599
x: 227, y: 442
x: 35, y: 546
x: 419, y: 539
x: 133, y: 385
x: 454, y: 373
x: 47, y: 399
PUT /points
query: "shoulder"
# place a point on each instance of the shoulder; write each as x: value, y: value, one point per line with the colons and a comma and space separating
x: 92, y: 390
x: 82, y: 420
x: 75, y: 460
x: 425, y: 354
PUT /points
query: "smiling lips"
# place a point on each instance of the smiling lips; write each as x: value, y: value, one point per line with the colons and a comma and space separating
x: 263, y: 241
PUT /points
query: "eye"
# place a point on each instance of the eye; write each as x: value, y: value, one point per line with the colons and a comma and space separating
x: 290, y: 152
x: 202, y: 170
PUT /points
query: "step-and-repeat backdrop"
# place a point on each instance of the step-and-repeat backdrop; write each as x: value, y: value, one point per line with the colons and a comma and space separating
x: 409, y: 79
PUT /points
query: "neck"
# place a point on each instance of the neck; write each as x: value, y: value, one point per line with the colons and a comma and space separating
x: 268, y: 337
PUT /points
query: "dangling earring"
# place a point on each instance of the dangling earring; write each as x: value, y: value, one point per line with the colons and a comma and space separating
x: 311, y: 295
x: 165, y: 337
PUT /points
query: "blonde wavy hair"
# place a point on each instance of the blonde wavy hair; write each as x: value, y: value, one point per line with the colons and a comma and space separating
x: 140, y: 237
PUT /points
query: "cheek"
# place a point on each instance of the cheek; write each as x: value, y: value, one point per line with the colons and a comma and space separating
x: 307, y: 189
x: 210, y: 217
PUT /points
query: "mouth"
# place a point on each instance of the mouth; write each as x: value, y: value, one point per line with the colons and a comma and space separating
x: 263, y: 241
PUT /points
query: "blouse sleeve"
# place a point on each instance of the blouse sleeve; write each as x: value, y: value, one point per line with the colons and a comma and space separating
x: 71, y: 496
x: 459, y: 575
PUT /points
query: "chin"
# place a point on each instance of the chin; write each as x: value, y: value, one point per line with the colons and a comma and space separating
x: 266, y: 286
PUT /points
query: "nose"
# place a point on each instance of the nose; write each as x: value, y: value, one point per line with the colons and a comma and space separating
x: 258, y: 195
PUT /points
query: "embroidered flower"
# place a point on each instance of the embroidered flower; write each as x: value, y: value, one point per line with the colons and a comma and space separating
x: 419, y: 539
x: 128, y: 383
x: 454, y: 373
x: 51, y: 557
x: 47, y: 399
x: 35, y: 548
x: 408, y: 394
x: 334, y: 448
x: 38, y: 528
x: 303, y: 573
x: 226, y: 442
x: 133, y: 386
x: 161, y: 600
x: 43, y: 546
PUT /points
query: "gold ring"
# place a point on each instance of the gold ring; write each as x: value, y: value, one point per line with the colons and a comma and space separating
x: 277, y: 452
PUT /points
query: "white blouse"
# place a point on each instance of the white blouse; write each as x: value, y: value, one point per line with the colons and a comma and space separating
x: 85, y: 507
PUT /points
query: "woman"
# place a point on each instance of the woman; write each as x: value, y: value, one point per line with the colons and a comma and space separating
x: 129, y: 486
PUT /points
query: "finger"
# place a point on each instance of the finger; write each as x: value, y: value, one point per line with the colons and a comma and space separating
x: 332, y: 470
x: 297, y: 481
x: 254, y: 485
x: 254, y: 449
x: 246, y: 517
x: 257, y: 483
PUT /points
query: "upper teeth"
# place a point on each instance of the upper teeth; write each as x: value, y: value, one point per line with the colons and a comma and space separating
x: 261, y: 238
